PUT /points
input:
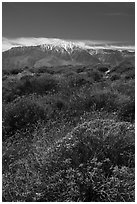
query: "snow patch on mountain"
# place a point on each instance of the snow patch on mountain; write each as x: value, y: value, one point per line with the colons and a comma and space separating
x: 68, y: 45
x: 44, y: 42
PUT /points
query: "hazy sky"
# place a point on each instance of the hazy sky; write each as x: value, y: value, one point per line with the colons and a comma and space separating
x: 80, y: 21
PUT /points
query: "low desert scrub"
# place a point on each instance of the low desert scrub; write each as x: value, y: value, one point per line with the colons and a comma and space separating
x: 20, y: 114
x: 68, y: 135
x: 94, y: 162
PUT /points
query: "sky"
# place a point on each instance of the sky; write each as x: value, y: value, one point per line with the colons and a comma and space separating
x: 95, y: 21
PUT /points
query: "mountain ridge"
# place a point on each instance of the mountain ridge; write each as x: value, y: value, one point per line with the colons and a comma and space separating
x: 61, y: 52
x: 9, y: 43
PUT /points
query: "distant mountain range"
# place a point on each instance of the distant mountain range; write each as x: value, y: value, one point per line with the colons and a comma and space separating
x: 61, y: 52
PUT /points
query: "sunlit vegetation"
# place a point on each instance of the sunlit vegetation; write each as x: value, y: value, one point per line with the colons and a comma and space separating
x: 68, y: 134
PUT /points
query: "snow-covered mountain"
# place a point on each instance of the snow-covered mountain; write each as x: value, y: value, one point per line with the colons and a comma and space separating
x: 85, y: 44
x: 57, y: 52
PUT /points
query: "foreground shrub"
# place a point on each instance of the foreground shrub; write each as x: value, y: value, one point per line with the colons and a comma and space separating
x: 20, y: 114
x: 88, y: 183
x: 103, y: 138
x: 94, y: 162
x: 110, y: 144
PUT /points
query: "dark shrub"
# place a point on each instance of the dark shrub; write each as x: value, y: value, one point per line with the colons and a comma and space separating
x: 115, y: 76
x: 105, y: 100
x: 102, y: 69
x: 15, y: 71
x: 80, y: 81
x: 23, y: 86
x: 4, y: 77
x: 43, y: 84
x: 124, y: 87
x: 95, y: 75
x: 126, y: 111
x: 37, y: 84
x: 20, y: 114
x: 44, y: 70
x: 79, y: 70
x: 94, y: 100
x: 130, y: 74
x: 76, y: 80
x: 60, y: 104
x: 5, y: 72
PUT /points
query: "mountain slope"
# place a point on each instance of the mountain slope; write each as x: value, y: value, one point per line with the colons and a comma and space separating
x: 46, y: 55
x: 60, y: 52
